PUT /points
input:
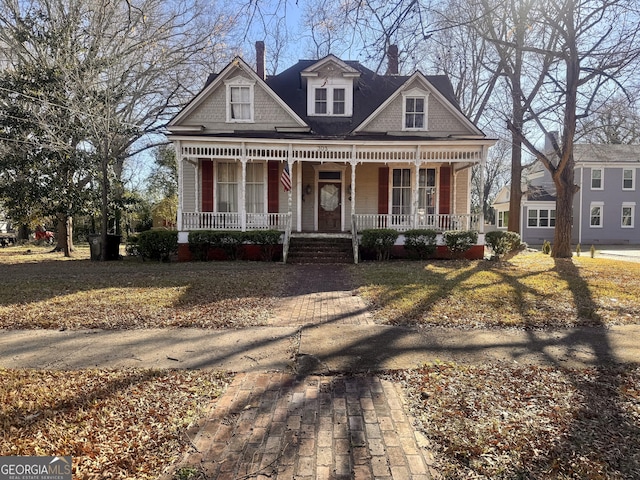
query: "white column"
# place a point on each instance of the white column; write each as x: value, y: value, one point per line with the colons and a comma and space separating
x: 243, y: 197
x: 180, y: 179
x: 414, y: 194
x: 298, y: 196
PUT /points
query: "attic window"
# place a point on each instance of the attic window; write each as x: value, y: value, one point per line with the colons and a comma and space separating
x: 414, y: 110
x: 330, y: 97
x: 240, y: 105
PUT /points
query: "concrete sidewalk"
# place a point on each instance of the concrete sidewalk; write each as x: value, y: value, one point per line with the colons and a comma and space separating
x: 307, y: 403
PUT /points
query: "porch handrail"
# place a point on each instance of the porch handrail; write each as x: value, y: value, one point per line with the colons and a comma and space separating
x: 404, y: 222
x: 232, y: 221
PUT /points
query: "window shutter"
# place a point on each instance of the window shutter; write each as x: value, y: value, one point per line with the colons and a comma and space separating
x: 272, y: 186
x: 445, y: 190
x: 207, y: 185
x: 383, y: 190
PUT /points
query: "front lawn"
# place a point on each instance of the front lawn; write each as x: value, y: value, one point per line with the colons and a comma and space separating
x: 119, y: 424
x: 39, y: 289
x: 507, y: 421
x: 531, y: 290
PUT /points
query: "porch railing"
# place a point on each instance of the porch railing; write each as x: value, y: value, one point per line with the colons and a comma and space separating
x: 402, y: 222
x: 233, y: 221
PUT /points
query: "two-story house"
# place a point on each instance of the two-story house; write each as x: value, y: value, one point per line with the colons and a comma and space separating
x: 604, y: 208
x: 327, y: 146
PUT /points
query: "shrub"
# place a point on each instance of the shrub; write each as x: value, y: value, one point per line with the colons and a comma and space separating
x: 459, y: 242
x: 132, y: 248
x: 420, y: 243
x: 157, y: 244
x: 268, y: 241
x: 231, y: 241
x: 379, y: 240
x: 546, y: 247
x: 502, y: 242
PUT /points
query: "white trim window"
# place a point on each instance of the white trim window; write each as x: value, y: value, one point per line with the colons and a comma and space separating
x: 628, y: 214
x: 597, y: 180
x: 503, y: 219
x: 331, y: 98
x: 427, y: 191
x: 541, y: 217
x: 628, y: 178
x: 227, y: 187
x: 401, y: 191
x: 254, y: 189
x: 240, y: 104
x: 595, y: 214
x: 415, y: 109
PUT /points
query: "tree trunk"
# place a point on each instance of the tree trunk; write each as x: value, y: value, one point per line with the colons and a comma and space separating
x: 64, y: 235
x: 565, y: 190
x: 515, y: 196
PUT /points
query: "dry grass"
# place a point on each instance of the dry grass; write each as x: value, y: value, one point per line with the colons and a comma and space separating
x: 39, y: 289
x: 531, y: 290
x: 527, y: 422
x: 117, y: 424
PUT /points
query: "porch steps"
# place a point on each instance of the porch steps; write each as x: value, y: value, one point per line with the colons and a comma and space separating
x: 320, y: 249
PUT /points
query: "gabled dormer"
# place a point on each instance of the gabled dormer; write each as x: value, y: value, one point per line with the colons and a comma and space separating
x: 329, y: 88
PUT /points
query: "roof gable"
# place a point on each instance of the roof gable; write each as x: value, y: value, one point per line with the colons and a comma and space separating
x: 236, y: 69
x: 442, y: 97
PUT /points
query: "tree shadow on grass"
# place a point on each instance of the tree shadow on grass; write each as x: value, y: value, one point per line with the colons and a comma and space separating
x: 604, y: 439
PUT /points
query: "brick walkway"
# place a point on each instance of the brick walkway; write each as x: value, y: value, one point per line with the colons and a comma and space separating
x: 279, y: 425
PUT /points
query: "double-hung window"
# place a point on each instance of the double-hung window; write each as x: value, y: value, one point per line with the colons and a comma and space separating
x: 227, y: 187
x: 240, y: 108
x: 628, y: 179
x: 254, y: 189
x: 401, y: 192
x: 628, y: 214
x: 595, y: 215
x: 414, y: 113
x: 503, y: 219
x: 330, y: 101
x: 427, y: 191
x: 596, y: 179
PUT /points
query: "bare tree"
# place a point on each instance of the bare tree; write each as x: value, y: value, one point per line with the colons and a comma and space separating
x: 126, y: 67
x: 616, y: 121
x: 594, y: 43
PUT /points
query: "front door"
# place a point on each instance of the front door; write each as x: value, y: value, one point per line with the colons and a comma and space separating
x: 329, y: 207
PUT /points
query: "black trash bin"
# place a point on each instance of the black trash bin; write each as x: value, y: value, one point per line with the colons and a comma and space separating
x: 113, y: 247
x: 112, y: 252
x: 95, y: 243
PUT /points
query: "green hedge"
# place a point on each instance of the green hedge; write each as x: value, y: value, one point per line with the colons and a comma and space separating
x: 379, y: 240
x: 459, y: 242
x: 231, y: 242
x: 420, y: 243
x: 502, y: 242
x: 155, y: 244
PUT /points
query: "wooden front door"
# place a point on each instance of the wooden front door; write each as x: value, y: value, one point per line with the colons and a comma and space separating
x: 329, y: 207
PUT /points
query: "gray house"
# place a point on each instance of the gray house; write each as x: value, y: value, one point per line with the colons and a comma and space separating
x: 604, y: 208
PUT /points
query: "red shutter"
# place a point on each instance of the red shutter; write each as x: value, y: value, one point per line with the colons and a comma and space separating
x: 207, y: 185
x: 383, y: 190
x: 272, y: 186
x: 445, y: 190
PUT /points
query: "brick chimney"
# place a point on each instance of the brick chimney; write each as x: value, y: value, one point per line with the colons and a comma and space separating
x: 260, y: 59
x: 392, y: 57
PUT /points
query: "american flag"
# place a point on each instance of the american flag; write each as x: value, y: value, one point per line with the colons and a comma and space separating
x: 285, y: 178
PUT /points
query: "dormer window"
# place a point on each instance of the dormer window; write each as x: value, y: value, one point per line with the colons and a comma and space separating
x: 240, y: 100
x: 330, y: 101
x: 415, y: 110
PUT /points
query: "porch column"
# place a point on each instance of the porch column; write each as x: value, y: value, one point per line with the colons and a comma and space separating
x: 180, y: 177
x: 290, y: 192
x: 298, y: 196
x: 243, y: 187
x: 414, y: 193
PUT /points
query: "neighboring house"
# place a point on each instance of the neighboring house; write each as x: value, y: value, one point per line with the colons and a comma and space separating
x: 604, y: 208
x: 325, y: 146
